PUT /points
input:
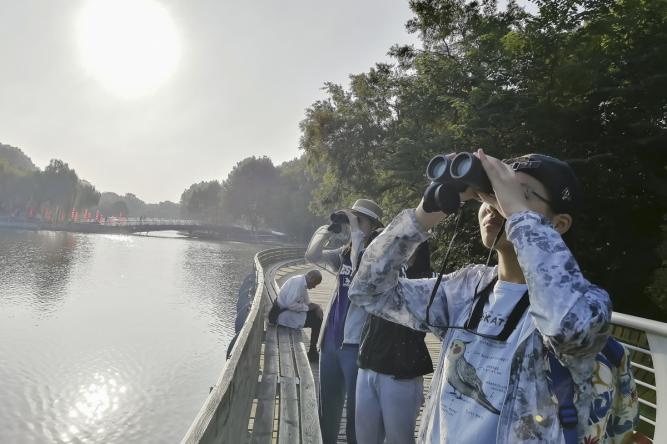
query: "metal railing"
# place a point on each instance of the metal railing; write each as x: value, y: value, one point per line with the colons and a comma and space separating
x: 131, y: 221
x: 647, y: 342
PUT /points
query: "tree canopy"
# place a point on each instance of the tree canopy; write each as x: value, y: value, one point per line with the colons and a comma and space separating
x: 582, y: 80
x: 260, y: 195
x: 203, y: 201
x: 24, y: 189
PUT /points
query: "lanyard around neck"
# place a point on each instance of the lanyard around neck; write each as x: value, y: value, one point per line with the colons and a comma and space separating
x: 512, y: 320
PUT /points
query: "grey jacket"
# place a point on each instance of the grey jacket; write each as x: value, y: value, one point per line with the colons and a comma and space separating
x: 570, y: 315
x: 316, y: 253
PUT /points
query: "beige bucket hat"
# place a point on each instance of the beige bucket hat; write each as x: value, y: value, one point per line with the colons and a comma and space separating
x: 368, y: 208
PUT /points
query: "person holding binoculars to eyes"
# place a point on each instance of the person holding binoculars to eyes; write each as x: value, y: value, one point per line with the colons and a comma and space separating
x: 343, y: 320
x: 522, y: 341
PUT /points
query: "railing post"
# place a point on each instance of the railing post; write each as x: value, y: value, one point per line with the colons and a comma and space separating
x: 658, y: 345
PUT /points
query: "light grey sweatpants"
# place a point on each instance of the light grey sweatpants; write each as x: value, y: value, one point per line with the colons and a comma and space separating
x: 387, y: 408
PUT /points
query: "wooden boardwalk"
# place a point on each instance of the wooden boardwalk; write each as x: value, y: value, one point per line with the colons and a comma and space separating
x: 321, y: 295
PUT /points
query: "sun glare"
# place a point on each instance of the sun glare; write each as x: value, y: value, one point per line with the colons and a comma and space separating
x: 130, y: 46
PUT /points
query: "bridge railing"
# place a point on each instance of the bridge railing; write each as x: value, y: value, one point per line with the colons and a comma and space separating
x: 647, y: 342
x: 108, y: 220
x: 225, y: 414
x: 134, y: 221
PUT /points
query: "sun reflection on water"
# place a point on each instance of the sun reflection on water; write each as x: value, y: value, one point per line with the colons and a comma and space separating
x: 95, y: 401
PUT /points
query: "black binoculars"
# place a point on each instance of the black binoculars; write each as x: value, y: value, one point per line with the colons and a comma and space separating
x: 450, y: 176
x: 338, y: 218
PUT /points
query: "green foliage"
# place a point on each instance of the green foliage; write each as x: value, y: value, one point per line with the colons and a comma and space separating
x: 118, y: 208
x: 111, y: 204
x: 581, y: 80
x: 248, y: 191
x: 292, y: 214
x: 58, y: 184
x: 86, y: 195
x: 59, y: 189
x: 203, y: 201
x: 260, y: 195
x: 15, y: 158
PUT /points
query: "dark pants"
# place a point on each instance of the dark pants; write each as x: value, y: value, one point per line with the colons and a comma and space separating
x: 338, y: 380
x: 314, y: 322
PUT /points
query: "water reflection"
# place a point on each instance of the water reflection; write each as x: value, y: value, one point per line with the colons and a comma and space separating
x: 97, y: 398
x: 136, y: 334
x: 39, y: 263
x: 95, y: 401
x: 213, y: 273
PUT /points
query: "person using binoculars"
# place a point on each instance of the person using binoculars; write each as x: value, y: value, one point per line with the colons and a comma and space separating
x: 343, y: 321
x: 501, y: 326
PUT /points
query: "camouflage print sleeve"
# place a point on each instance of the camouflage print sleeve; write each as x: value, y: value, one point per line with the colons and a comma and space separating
x: 571, y: 313
x: 316, y: 254
x: 377, y: 286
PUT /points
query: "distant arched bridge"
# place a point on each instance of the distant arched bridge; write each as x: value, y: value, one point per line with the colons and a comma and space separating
x: 145, y: 225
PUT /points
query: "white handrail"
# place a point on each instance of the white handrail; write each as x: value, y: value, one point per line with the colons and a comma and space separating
x: 656, y: 336
x: 647, y: 325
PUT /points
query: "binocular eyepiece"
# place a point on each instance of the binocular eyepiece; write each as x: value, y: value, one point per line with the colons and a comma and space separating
x: 464, y: 169
x: 450, y: 176
x: 338, y: 218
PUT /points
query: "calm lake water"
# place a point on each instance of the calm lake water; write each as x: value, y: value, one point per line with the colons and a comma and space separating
x: 112, y: 339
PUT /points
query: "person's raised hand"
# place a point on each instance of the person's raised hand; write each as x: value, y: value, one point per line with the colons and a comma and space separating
x: 427, y: 220
x: 509, y: 196
x: 353, y: 218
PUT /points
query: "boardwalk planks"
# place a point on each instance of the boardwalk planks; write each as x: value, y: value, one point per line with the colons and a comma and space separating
x: 262, y: 431
x: 310, y: 425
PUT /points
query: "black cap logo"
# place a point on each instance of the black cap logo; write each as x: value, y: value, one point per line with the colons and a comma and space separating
x: 565, y: 195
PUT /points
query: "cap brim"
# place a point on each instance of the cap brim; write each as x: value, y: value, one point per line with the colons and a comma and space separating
x: 367, y: 213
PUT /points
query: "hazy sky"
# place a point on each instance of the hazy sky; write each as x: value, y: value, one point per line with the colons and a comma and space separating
x: 229, y: 79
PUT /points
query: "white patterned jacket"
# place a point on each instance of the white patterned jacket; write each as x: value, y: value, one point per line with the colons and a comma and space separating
x: 569, y: 314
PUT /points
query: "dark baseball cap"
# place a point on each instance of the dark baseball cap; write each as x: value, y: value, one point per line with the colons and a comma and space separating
x: 558, y: 178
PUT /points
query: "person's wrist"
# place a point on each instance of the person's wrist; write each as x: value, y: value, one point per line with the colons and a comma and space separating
x: 427, y: 220
x: 515, y: 208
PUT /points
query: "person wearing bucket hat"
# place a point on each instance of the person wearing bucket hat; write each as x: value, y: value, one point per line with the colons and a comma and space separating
x: 343, y: 321
x: 368, y: 208
x: 524, y: 342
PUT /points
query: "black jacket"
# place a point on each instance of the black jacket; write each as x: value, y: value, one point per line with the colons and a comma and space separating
x: 393, y: 349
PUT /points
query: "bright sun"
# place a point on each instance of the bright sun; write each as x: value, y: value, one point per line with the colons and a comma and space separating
x: 131, y: 46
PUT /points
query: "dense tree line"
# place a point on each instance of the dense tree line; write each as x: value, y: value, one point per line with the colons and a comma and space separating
x: 131, y: 205
x: 27, y: 191
x: 258, y: 194
x: 583, y: 80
